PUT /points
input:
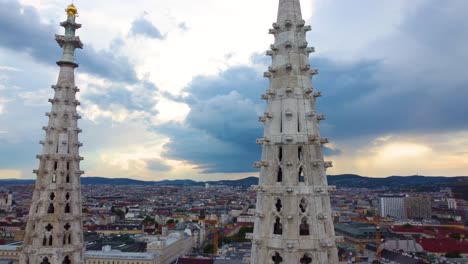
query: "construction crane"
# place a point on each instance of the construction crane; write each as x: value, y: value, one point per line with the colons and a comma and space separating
x: 378, y: 233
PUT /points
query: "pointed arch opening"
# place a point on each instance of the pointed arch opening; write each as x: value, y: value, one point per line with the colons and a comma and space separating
x: 301, y: 177
x: 304, y: 227
x: 66, y: 260
x: 67, y: 208
x: 67, y: 196
x: 52, y: 196
x: 279, y: 175
x: 278, y: 227
x: 45, y: 260
x: 299, y: 153
x: 67, y: 180
x: 51, y: 209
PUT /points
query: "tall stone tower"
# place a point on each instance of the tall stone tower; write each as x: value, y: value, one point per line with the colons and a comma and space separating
x: 54, y: 232
x: 293, y: 217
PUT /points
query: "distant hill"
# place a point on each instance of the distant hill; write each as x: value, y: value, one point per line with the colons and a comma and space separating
x: 345, y: 180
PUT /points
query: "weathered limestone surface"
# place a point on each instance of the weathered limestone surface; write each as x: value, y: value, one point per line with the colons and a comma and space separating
x: 294, y: 218
x: 54, y: 232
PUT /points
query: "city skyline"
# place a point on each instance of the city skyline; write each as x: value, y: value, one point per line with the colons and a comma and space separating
x: 160, y: 82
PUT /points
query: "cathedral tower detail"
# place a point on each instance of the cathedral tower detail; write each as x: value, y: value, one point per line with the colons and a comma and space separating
x: 54, y: 232
x: 293, y: 215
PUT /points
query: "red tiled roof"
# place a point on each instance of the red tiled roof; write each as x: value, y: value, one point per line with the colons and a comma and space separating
x: 443, y: 245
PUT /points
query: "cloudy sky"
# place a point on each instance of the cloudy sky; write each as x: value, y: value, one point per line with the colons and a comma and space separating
x: 170, y: 88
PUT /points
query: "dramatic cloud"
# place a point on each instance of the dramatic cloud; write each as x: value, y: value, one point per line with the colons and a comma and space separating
x: 144, y: 27
x: 220, y: 131
x: 23, y: 31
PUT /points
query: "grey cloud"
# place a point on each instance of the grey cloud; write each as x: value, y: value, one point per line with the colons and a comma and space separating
x: 22, y: 30
x: 144, y: 27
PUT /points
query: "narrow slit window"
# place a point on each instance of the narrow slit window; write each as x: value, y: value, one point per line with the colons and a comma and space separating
x: 55, y: 165
x: 68, y: 178
x: 281, y: 123
x: 279, y: 176
x: 280, y: 153
x: 299, y: 153
x: 54, y: 177
x: 298, y: 124
x: 68, y: 165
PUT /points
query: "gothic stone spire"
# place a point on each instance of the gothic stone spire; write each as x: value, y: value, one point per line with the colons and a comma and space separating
x: 293, y: 216
x: 54, y: 232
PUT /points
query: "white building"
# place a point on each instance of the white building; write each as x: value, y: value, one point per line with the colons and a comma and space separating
x: 392, y: 206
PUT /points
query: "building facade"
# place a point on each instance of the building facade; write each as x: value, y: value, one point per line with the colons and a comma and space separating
x: 392, y: 206
x: 54, y: 231
x: 418, y: 207
x: 293, y: 215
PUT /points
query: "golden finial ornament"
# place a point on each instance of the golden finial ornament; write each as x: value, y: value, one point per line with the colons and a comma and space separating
x: 72, y: 10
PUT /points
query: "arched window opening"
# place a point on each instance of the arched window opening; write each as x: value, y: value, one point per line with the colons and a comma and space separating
x: 304, y: 227
x: 306, y: 259
x: 54, y: 177
x: 67, y: 208
x: 301, y: 175
x: 278, y: 227
x: 67, y: 196
x: 279, y: 176
x: 278, y: 205
x: 303, y: 205
x: 68, y: 165
x: 52, y: 196
x: 45, y: 260
x: 69, y: 238
x: 299, y: 153
x: 277, y: 259
x: 68, y: 178
x: 51, y: 209
x: 44, y: 241
x: 55, y: 165
x: 50, y: 240
x: 280, y: 154
x: 66, y: 260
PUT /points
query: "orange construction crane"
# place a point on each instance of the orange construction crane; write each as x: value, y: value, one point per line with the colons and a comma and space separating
x: 378, y: 234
